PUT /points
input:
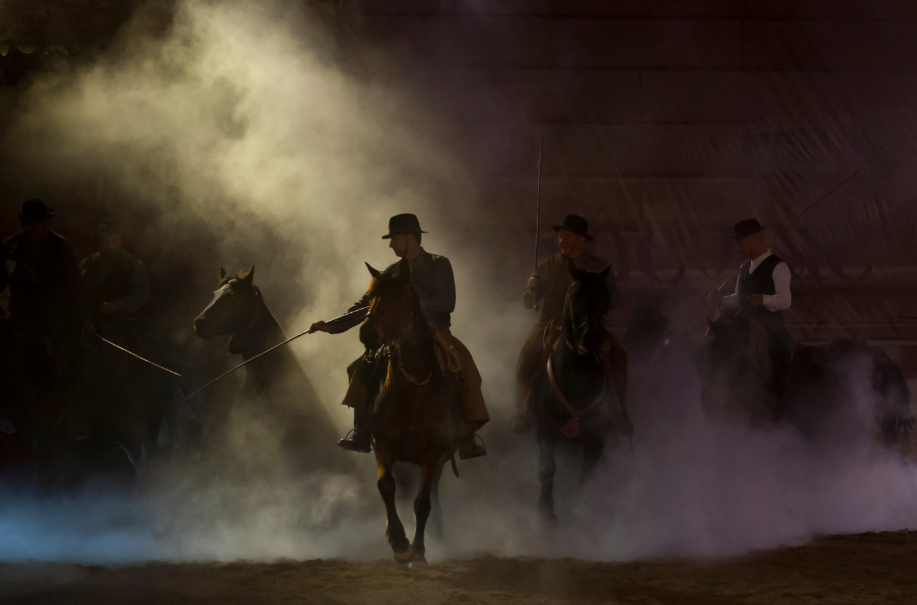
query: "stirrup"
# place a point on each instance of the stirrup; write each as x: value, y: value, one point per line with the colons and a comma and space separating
x: 474, y: 451
x: 350, y: 445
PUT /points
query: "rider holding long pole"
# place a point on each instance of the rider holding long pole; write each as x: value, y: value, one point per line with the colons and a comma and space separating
x: 548, y: 286
x: 432, y: 279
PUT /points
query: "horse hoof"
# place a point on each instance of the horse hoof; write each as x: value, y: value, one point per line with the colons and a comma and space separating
x: 406, y: 556
x: 420, y: 563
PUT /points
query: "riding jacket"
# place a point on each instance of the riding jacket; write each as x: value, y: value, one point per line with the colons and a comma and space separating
x: 434, y: 282
x: 45, y: 284
x: 555, y: 279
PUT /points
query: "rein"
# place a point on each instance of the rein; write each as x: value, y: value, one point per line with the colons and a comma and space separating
x: 243, y: 333
x: 576, y: 414
x: 404, y: 372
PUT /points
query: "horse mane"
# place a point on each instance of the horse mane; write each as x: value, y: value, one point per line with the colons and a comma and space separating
x: 420, y: 329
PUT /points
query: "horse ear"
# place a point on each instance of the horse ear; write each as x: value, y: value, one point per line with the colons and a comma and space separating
x: 404, y: 269
x: 372, y: 271
x: 222, y: 273
x: 249, y: 276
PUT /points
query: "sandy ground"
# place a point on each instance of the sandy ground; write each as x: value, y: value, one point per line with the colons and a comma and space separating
x: 858, y: 569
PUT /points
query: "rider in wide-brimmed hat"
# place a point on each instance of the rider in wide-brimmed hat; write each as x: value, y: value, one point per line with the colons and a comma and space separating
x: 763, y: 292
x: 432, y: 279
x: 548, y: 286
x: 46, y: 299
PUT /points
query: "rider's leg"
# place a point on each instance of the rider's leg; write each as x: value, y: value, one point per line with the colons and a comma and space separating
x: 470, y: 399
x: 361, y: 398
x: 530, y: 358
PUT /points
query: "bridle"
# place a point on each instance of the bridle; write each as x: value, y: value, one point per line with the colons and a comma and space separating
x: 394, y: 347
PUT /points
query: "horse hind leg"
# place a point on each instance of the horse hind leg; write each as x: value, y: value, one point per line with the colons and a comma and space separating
x: 394, y: 530
x: 546, y: 469
x: 422, y: 507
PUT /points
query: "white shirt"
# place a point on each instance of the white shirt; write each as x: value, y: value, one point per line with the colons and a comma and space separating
x: 780, y: 301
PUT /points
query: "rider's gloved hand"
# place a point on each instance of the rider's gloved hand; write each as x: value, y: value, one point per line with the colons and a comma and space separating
x: 319, y: 326
x: 534, y: 280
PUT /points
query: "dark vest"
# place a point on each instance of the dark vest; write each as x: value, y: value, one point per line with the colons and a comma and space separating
x: 761, y: 281
x: 107, y: 279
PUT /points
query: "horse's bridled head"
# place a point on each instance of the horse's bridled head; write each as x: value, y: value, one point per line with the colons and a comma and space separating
x: 371, y: 334
x: 230, y: 308
x: 391, y: 306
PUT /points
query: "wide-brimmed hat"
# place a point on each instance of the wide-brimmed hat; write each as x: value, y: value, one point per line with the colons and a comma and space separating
x: 747, y: 227
x: 34, y: 210
x: 575, y: 224
x: 402, y: 224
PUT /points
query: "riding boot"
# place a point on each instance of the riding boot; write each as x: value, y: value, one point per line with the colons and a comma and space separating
x: 362, y: 435
x: 469, y: 447
x: 360, y: 441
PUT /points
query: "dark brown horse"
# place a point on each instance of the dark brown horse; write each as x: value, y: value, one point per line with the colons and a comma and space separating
x: 830, y: 390
x: 288, y: 402
x: 573, y: 399
x: 416, y: 417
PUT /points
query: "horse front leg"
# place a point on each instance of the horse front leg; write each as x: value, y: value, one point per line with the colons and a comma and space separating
x: 593, y: 445
x: 437, y: 529
x: 546, y: 469
x: 394, y: 530
x: 422, y: 508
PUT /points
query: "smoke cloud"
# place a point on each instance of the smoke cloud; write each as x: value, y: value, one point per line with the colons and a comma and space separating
x: 244, y: 137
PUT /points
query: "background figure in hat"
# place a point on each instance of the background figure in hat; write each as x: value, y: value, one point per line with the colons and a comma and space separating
x: 762, y: 293
x: 117, y: 286
x: 432, y: 279
x: 548, y: 286
x: 47, y: 306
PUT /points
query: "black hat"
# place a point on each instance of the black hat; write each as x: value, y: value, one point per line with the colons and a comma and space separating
x: 575, y: 224
x: 34, y: 210
x: 402, y: 224
x: 748, y: 227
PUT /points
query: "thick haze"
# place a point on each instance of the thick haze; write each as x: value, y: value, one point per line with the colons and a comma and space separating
x: 245, y: 138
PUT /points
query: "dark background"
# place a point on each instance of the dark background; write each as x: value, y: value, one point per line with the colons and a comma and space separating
x: 664, y: 122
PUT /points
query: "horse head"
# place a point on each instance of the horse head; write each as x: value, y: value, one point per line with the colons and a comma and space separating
x: 588, y: 301
x: 232, y: 306
x: 393, y: 306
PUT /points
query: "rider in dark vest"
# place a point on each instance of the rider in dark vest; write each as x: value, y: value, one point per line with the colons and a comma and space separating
x: 763, y: 293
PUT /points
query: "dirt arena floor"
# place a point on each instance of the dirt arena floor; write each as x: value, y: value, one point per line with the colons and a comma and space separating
x: 859, y: 569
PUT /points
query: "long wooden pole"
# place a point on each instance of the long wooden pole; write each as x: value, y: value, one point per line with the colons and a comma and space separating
x: 538, y: 205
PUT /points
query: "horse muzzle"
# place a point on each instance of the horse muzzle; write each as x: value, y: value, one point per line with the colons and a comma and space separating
x: 202, y: 328
x: 370, y: 336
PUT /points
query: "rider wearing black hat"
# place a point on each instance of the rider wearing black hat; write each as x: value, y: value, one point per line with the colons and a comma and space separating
x: 763, y: 293
x: 432, y: 279
x: 46, y: 300
x: 45, y: 283
x: 548, y: 286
